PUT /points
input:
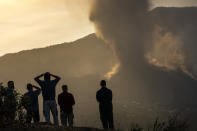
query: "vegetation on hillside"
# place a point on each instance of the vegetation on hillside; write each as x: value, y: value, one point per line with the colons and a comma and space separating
x: 11, y: 107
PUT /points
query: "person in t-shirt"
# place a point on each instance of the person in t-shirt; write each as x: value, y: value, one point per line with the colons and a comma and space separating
x: 48, y: 87
x: 66, y: 102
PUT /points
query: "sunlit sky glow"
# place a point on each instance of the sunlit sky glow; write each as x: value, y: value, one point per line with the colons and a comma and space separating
x: 27, y: 24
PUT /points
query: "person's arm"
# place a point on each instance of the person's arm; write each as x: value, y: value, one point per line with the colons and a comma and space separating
x: 97, y: 97
x: 73, y: 100
x: 111, y: 95
x: 57, y: 78
x: 59, y: 100
x: 38, y: 90
x: 37, y: 79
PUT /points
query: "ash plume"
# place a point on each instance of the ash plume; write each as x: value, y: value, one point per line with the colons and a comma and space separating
x: 163, y: 37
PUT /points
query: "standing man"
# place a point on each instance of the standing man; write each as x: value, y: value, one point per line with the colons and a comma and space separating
x: 66, y: 102
x: 10, y: 101
x: 32, y: 105
x: 48, y: 87
x: 104, y: 97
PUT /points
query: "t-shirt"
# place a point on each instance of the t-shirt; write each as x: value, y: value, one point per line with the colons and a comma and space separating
x: 66, y: 101
x: 48, y: 89
x: 33, y: 97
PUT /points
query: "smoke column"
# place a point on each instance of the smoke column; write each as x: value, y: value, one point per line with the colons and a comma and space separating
x: 161, y: 37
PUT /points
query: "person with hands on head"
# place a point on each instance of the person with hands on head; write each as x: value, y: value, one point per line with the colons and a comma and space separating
x: 48, y: 87
x: 31, y: 104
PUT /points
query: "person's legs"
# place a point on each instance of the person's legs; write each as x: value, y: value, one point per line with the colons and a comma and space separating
x: 63, y: 118
x: 53, y: 107
x: 70, y: 119
x: 46, y: 111
x: 29, y: 117
x: 36, y: 116
x: 103, y: 118
x: 111, y: 120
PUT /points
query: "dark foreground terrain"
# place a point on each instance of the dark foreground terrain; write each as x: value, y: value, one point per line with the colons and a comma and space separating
x: 48, y: 128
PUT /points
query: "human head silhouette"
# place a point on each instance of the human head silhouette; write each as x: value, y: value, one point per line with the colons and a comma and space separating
x: 103, y: 83
x: 47, y: 76
x: 29, y: 87
x: 11, y: 84
x: 65, y: 88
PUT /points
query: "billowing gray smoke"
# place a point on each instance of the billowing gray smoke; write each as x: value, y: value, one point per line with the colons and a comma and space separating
x: 123, y: 23
x: 174, y: 41
x: 163, y: 37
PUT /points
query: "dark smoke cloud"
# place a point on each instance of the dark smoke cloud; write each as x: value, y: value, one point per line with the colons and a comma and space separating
x: 120, y: 22
x: 124, y: 24
x: 176, y: 47
x: 156, y: 48
x: 163, y: 37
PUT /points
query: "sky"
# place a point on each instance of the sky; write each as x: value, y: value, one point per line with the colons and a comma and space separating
x: 27, y: 24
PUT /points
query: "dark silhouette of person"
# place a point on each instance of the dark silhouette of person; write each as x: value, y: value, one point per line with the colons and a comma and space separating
x: 48, y: 88
x: 33, y: 106
x: 10, y: 89
x: 104, y: 97
x: 66, y: 102
x: 10, y: 100
x: 1, y: 94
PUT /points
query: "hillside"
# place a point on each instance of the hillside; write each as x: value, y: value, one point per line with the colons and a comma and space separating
x: 87, y: 56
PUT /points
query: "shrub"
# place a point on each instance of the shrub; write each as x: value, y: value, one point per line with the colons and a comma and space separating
x: 174, y: 123
x: 11, y: 107
x: 136, y: 128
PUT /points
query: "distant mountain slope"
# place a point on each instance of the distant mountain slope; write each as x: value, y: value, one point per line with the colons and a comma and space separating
x: 87, y: 56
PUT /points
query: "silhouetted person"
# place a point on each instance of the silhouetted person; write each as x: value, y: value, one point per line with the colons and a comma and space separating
x: 48, y: 87
x: 33, y: 106
x: 66, y: 102
x: 10, y: 89
x: 1, y: 94
x: 104, y: 97
x: 10, y: 100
